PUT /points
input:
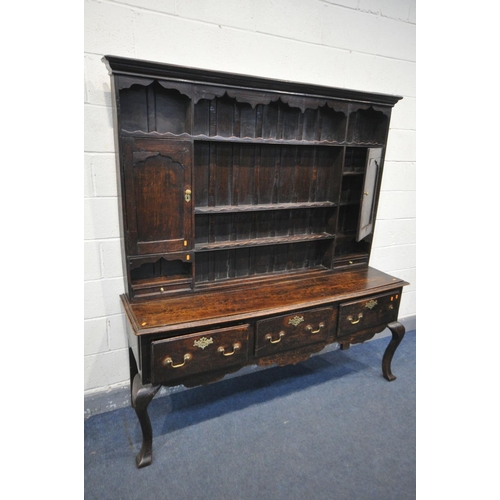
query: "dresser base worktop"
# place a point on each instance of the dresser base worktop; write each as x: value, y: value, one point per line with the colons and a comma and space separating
x: 198, y: 338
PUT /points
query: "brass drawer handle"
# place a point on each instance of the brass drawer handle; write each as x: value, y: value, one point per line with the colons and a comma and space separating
x: 270, y: 338
x: 169, y: 361
x: 355, y: 321
x: 310, y: 328
x: 236, y: 346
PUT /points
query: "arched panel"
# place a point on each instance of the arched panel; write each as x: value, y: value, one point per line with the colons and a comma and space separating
x: 154, y: 108
x: 159, y: 194
x: 368, y: 126
x: 159, y: 206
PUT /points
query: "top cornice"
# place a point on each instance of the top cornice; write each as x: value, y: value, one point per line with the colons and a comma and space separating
x: 135, y: 67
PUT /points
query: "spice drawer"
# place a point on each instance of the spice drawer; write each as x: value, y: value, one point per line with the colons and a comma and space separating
x: 368, y: 312
x: 292, y: 330
x: 179, y: 357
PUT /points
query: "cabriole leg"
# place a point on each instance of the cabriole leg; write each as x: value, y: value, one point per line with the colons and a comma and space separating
x: 133, y: 370
x: 141, y: 397
x: 398, y: 332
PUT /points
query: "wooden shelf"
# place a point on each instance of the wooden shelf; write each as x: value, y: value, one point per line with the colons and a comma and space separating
x: 154, y: 135
x: 351, y: 255
x: 260, y: 140
x: 345, y: 235
x: 139, y: 284
x: 276, y: 240
x: 245, y: 140
x: 224, y: 209
x: 349, y: 203
x: 347, y: 173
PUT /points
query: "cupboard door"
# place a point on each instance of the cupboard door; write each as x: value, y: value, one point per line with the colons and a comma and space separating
x: 158, y: 196
x: 368, y: 198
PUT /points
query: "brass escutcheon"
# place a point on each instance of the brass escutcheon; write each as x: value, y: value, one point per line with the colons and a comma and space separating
x: 296, y: 320
x: 203, y: 342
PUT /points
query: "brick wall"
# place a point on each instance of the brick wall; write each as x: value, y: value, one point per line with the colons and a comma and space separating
x: 360, y: 44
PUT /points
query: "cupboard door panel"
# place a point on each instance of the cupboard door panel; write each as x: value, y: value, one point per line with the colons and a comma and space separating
x: 159, y: 186
x: 372, y: 174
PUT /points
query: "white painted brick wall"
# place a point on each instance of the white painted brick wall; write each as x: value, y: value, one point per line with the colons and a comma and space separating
x: 359, y: 44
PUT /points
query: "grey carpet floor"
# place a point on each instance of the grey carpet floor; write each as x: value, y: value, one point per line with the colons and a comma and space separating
x: 330, y: 428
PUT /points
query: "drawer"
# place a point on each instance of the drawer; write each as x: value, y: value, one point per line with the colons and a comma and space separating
x: 179, y: 357
x: 287, y: 332
x: 147, y: 291
x: 368, y: 312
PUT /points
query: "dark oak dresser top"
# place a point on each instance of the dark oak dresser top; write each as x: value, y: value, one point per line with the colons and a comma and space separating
x: 235, y: 304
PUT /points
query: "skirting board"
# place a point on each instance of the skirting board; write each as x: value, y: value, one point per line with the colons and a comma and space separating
x: 119, y: 397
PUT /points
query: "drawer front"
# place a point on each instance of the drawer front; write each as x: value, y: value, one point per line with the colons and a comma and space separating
x: 287, y: 332
x: 148, y: 291
x: 179, y: 357
x: 368, y: 312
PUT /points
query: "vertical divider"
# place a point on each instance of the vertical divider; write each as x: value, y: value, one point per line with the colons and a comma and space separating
x: 189, y: 127
x: 339, y: 197
x: 190, y: 120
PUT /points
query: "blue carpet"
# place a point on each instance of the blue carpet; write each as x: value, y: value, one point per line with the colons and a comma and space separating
x: 330, y: 428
